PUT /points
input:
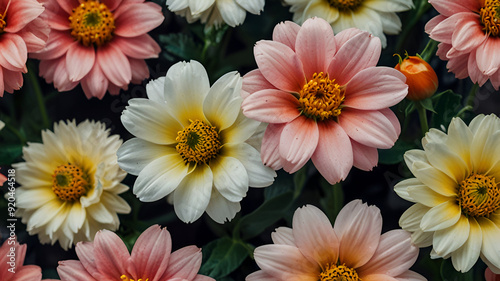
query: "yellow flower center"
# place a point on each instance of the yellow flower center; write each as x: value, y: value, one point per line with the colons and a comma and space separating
x: 333, y: 272
x: 70, y: 182
x: 345, y: 5
x: 92, y: 23
x: 321, y: 98
x: 3, y: 23
x: 198, y: 143
x: 490, y: 17
x: 125, y: 278
x: 479, y: 195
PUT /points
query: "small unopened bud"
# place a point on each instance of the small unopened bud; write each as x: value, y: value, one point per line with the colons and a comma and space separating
x: 421, y: 78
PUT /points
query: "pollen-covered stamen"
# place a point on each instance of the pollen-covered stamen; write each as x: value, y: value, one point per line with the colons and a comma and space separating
x: 198, y: 143
x: 92, y: 23
x: 126, y: 278
x: 70, y: 182
x: 490, y: 17
x: 479, y: 195
x: 345, y: 5
x: 3, y: 22
x: 321, y: 98
x: 333, y: 272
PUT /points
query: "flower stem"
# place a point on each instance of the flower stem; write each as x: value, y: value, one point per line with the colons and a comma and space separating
x: 472, y: 95
x: 429, y: 50
x: 422, y: 115
x: 420, y: 10
x: 39, y: 95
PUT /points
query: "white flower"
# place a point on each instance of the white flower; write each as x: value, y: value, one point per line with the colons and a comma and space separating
x: 70, y: 183
x: 375, y: 16
x: 191, y: 141
x: 216, y: 12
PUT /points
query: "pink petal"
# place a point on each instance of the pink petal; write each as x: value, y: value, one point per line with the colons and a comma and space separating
x: 57, y: 45
x: 315, y: 46
x: 14, y: 52
x: 342, y: 37
x: 56, y: 17
x: 35, y: 35
x: 85, y: 253
x: 112, y: 4
x: 365, y: 157
x: 458, y: 65
x: 468, y: 33
x: 279, y: 65
x: 283, y: 235
x: 410, y: 276
x: 71, y: 270
x: 200, y: 277
x: 68, y: 5
x: 358, y: 226
x: 151, y: 252
x: 61, y: 76
x: 333, y: 157
x: 320, y: 246
x: 13, y: 80
x: 140, y: 70
x: 375, y: 88
x: 28, y: 273
x: 379, y: 277
x: 377, y: 128
x: 359, y: 52
x: 20, y: 13
x: 141, y: 47
x: 95, y: 83
x: 286, y: 33
x: 2, y: 87
x: 432, y: 23
x: 138, y: 19
x: 254, y: 81
x: 488, y: 59
x: 79, y: 61
x: 114, y: 64
x: 298, y: 142
x: 475, y: 74
x: 271, y: 106
x: 450, y: 7
x: 444, y: 30
x: 260, y: 275
x: 270, y: 146
x: 110, y: 254
x: 184, y: 263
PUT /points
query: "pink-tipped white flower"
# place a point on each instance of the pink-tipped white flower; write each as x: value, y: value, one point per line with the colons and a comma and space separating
x: 12, y: 256
x: 100, y: 44
x: 323, y: 97
x: 22, y: 31
x: 353, y: 249
x: 469, y: 32
x: 107, y: 258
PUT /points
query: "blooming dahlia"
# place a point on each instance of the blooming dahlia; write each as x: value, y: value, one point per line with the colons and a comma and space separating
x: 375, y: 16
x: 216, y: 12
x: 353, y: 249
x: 70, y: 183
x: 191, y: 141
x: 12, y: 256
x: 107, y: 258
x: 323, y: 97
x: 100, y: 44
x: 457, y: 194
x: 22, y: 31
x: 469, y: 32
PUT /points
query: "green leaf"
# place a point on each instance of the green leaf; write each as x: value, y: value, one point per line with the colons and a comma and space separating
x: 447, y: 105
x: 409, y: 108
x: 395, y: 154
x: 180, y: 45
x: 448, y: 273
x: 222, y: 256
x: 427, y: 104
x: 333, y: 199
x: 10, y: 153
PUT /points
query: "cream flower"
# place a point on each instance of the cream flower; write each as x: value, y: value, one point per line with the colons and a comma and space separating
x: 191, y: 142
x: 375, y: 16
x: 70, y: 184
x: 216, y: 12
x: 457, y: 194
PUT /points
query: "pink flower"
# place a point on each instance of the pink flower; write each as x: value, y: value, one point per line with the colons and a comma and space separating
x: 22, y: 31
x: 469, y: 32
x: 107, y: 258
x: 11, y: 263
x: 352, y: 249
x: 490, y: 276
x: 323, y: 97
x: 98, y: 44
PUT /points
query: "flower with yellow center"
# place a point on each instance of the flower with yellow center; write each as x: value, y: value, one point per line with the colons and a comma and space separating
x: 193, y: 144
x: 457, y: 194
x: 92, y: 23
x: 70, y: 184
x: 352, y: 250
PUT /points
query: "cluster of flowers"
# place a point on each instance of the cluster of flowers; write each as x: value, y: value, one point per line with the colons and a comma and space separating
x: 319, y: 95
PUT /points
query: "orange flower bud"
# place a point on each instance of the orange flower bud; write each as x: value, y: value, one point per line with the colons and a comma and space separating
x: 421, y: 78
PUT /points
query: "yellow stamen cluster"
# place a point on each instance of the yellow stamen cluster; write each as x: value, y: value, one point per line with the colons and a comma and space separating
x: 70, y: 182
x: 125, y: 278
x: 321, y: 98
x: 334, y: 272
x: 345, y: 5
x: 92, y: 23
x: 479, y: 195
x: 490, y: 17
x: 198, y: 143
x: 3, y: 23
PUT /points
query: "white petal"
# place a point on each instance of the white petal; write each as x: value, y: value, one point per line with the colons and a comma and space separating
x: 135, y: 154
x: 441, y: 216
x: 232, y: 13
x: 192, y: 196
x: 241, y: 130
x: 490, y: 248
x: 230, y: 177
x: 411, y: 218
x: 155, y: 90
x: 220, y: 209
x: 447, y: 240
x: 401, y: 188
x: 253, y: 6
x: 466, y: 256
x: 283, y: 235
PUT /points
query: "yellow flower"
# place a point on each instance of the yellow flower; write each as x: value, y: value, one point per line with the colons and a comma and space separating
x: 70, y: 184
x: 456, y: 191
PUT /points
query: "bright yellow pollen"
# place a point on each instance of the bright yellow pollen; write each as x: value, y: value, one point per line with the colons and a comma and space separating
x: 479, y: 195
x: 92, y: 23
x: 321, y: 98
x: 198, y: 143
x: 334, y: 272
x: 125, y: 278
x: 3, y: 23
x: 345, y: 5
x: 490, y: 17
x: 70, y: 182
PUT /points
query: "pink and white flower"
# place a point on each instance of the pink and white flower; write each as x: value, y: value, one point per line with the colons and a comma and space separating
x: 107, y: 258
x: 14, y: 270
x: 22, y: 31
x: 469, y: 36
x: 323, y: 97
x: 100, y: 44
x: 353, y: 249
